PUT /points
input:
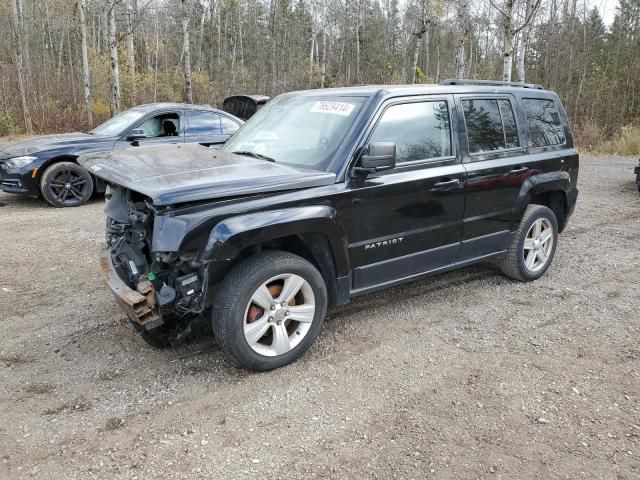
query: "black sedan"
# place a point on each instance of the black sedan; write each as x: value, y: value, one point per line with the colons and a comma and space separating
x: 46, y: 166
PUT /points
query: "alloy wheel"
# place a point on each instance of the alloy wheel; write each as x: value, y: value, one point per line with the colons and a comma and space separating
x: 279, y: 315
x: 538, y: 245
x: 68, y: 186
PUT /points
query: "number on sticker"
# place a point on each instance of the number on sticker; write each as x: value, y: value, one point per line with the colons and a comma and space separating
x: 336, y: 108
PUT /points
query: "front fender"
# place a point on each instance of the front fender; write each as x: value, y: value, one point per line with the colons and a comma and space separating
x: 234, y: 234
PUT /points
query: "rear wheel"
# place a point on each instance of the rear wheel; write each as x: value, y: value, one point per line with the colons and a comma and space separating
x: 269, y: 310
x: 66, y: 184
x: 533, y: 246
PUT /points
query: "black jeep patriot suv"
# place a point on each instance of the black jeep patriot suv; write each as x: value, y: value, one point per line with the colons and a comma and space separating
x: 325, y: 195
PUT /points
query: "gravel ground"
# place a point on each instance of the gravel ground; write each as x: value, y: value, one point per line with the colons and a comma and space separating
x: 464, y: 375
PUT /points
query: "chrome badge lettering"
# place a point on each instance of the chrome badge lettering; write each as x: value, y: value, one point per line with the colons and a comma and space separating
x: 384, y: 243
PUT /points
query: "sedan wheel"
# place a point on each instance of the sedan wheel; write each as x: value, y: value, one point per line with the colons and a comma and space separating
x: 66, y: 184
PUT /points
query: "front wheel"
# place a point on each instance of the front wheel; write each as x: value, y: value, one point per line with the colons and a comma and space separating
x: 533, y: 245
x: 269, y: 310
x: 66, y: 184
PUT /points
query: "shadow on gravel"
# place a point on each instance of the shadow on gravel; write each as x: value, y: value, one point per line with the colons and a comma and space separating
x: 20, y: 201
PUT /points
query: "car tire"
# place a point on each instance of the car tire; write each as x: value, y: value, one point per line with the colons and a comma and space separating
x: 66, y: 184
x: 533, y: 245
x: 268, y: 310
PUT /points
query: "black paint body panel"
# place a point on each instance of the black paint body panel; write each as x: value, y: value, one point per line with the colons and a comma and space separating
x: 382, y: 230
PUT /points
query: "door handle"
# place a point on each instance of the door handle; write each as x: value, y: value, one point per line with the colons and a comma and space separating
x: 519, y: 170
x: 447, y: 183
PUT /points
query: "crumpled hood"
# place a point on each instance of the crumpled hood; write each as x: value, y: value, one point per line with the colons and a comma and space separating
x: 173, y: 174
x: 32, y: 145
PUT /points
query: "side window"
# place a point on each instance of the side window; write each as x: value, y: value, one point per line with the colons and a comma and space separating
x: 164, y: 125
x: 543, y: 121
x: 229, y: 127
x: 420, y: 130
x: 491, y: 125
x: 204, y: 123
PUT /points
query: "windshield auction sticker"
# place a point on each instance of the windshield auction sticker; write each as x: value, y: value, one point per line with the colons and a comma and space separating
x: 336, y: 108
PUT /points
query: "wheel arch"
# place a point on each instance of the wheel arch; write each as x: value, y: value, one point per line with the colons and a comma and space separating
x: 548, y: 189
x: 98, y: 184
x: 312, y: 233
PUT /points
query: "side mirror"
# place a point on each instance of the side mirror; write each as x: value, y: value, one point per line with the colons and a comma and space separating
x: 376, y: 157
x: 136, y: 134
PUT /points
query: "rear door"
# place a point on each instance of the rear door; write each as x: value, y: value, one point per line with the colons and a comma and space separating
x: 209, y: 128
x: 407, y: 221
x: 497, y: 164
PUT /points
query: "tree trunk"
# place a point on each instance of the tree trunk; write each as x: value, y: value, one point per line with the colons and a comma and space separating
x: 186, y: 52
x: 462, y: 37
x: 131, y: 59
x: 17, y: 33
x: 85, y: 63
x: 507, y: 33
x: 199, y: 62
x: 115, y: 67
x: 524, y: 41
x: 422, y: 28
x: 323, y: 66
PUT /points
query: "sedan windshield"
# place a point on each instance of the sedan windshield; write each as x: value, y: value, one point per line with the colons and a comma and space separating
x: 304, y: 131
x: 118, y: 124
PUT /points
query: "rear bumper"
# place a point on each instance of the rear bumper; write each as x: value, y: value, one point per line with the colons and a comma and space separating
x: 140, y: 306
x: 18, y: 180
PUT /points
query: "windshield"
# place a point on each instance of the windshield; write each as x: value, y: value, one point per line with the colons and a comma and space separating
x: 117, y: 124
x: 299, y: 130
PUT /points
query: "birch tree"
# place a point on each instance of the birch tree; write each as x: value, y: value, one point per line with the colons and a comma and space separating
x: 462, y: 37
x: 510, y: 30
x: 418, y: 35
x: 115, y: 67
x: 186, y: 52
x: 86, y: 81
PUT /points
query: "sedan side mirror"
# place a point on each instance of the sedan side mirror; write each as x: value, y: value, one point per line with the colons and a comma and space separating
x: 376, y: 157
x: 136, y: 134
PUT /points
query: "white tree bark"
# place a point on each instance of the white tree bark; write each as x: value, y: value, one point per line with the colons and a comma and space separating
x: 462, y: 37
x: 509, y: 31
x: 115, y: 67
x: 524, y: 40
x: 129, y: 35
x: 418, y: 34
x: 323, y: 65
x: 20, y: 70
x: 186, y: 52
x: 85, y: 63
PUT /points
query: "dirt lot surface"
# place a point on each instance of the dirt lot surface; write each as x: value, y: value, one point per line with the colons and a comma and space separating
x: 464, y: 375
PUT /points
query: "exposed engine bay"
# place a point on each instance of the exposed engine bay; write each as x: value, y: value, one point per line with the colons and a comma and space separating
x: 170, y: 286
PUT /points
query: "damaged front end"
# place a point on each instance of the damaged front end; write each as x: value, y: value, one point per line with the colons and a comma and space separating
x: 162, y: 293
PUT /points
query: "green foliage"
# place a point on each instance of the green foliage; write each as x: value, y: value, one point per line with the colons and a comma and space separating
x: 7, y: 125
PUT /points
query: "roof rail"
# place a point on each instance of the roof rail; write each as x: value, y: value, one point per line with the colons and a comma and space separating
x: 494, y: 83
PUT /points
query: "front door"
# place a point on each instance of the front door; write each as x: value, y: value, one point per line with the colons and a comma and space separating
x: 497, y: 165
x: 160, y: 128
x: 407, y: 221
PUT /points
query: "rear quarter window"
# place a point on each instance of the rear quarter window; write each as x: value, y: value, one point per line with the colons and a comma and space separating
x: 543, y: 122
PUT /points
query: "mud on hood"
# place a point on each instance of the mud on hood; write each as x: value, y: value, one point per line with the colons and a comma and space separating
x: 186, y: 173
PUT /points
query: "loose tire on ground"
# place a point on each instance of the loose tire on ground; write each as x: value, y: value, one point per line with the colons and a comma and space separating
x: 525, y: 243
x: 275, y: 292
x: 66, y: 184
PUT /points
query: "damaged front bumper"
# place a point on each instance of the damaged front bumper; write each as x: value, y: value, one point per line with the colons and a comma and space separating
x: 140, y: 305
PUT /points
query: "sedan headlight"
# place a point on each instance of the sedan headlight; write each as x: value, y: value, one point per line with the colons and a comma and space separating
x: 18, y: 162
